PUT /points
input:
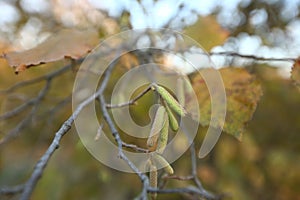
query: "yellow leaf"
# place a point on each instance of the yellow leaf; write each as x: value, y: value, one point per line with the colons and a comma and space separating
x: 243, y: 93
x: 207, y: 32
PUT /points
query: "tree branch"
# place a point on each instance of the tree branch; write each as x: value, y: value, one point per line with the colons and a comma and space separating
x: 194, y: 174
x: 115, y: 132
x: 189, y: 190
x: 253, y: 57
x: 180, y: 178
x: 42, y: 163
x: 40, y: 79
x: 132, y: 101
x: 39, y: 168
x: 135, y: 147
x: 35, y: 102
x: 11, y: 190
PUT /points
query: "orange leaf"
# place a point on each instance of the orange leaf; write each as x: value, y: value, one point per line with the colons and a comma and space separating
x: 67, y: 43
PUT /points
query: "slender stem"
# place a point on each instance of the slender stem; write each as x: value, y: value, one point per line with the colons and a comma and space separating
x: 180, y: 178
x: 207, y: 194
x: 42, y: 163
x: 39, y: 79
x: 132, y: 101
x: 35, y: 102
x: 135, y: 147
x: 12, y: 190
x: 116, y: 134
x: 253, y: 57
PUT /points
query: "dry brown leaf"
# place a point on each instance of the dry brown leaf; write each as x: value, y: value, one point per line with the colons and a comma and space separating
x: 67, y: 43
x: 295, y: 74
x: 242, y: 92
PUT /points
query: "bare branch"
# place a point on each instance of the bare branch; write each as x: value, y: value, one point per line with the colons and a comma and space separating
x: 17, y: 110
x: 30, y: 184
x: 194, y: 173
x: 39, y: 79
x: 189, y: 190
x: 180, y: 178
x: 116, y: 134
x: 135, y: 147
x: 11, y: 190
x: 253, y: 57
x: 36, y: 101
x: 42, y: 163
x: 99, y: 132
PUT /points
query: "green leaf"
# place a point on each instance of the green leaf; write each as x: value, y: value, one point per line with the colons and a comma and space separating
x: 242, y: 92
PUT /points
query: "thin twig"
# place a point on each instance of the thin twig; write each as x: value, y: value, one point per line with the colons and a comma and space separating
x: 42, y: 163
x: 36, y: 101
x: 180, y: 178
x: 253, y: 57
x: 17, y: 110
x: 135, y: 147
x: 194, y: 173
x: 11, y: 190
x: 99, y: 132
x: 144, y: 179
x: 189, y: 190
x: 29, y: 186
x: 120, y: 105
x: 39, y: 79
x: 132, y: 101
x: 194, y: 166
x: 198, y: 190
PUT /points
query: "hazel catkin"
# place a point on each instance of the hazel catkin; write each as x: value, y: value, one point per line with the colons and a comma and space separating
x: 163, y: 136
x: 170, y: 100
x: 153, y: 179
x: 163, y: 162
x: 172, y: 119
x: 156, y: 127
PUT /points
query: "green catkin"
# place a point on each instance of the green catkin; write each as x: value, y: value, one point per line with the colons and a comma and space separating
x: 148, y: 165
x: 170, y: 100
x: 157, y: 125
x: 163, y: 137
x: 163, y: 162
x: 172, y: 119
x: 180, y: 90
x: 153, y: 180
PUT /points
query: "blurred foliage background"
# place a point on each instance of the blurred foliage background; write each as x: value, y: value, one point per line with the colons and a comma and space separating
x: 265, y: 165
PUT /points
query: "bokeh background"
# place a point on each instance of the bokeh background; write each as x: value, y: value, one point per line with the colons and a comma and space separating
x: 264, y: 165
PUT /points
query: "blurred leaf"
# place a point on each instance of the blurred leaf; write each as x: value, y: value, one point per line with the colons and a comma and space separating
x: 129, y: 60
x: 207, y: 32
x: 295, y: 74
x: 243, y: 93
x: 67, y: 43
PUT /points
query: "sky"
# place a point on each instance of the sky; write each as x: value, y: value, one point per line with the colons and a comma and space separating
x: 152, y: 14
